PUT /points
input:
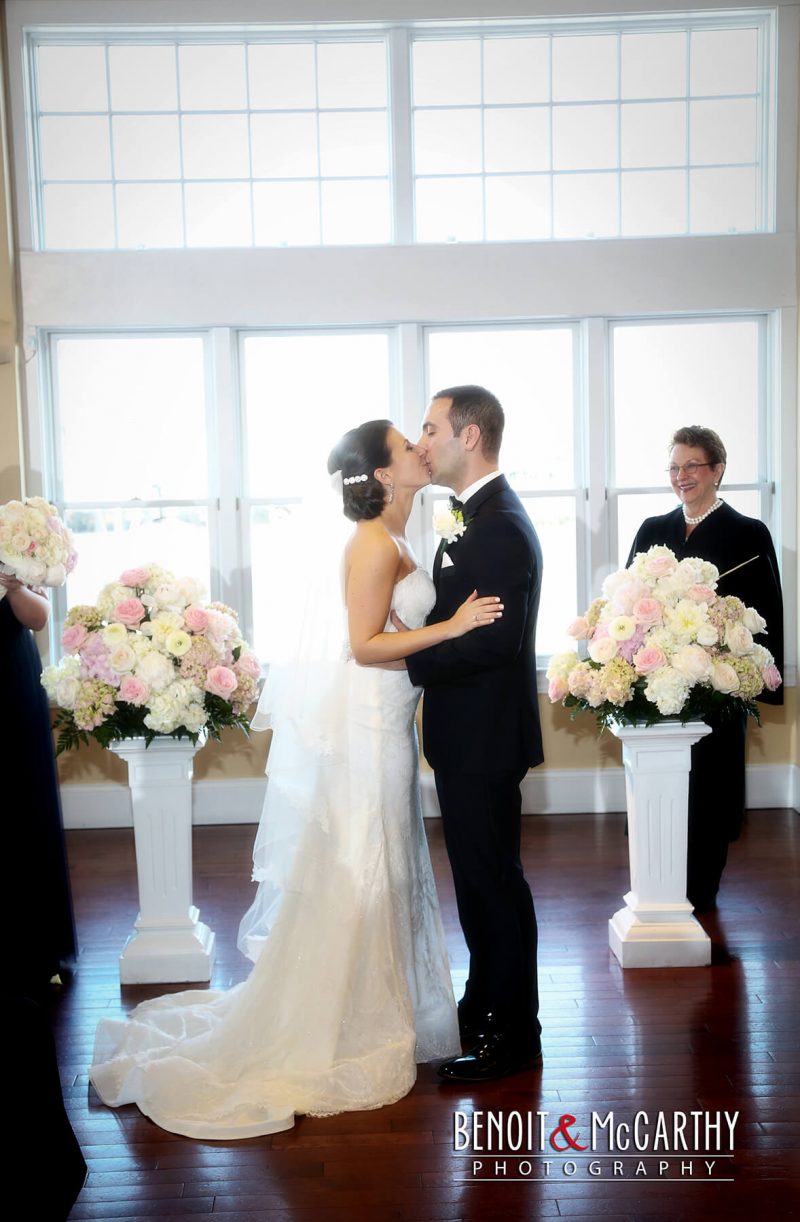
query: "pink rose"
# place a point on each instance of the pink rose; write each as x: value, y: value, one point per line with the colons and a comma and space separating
x: 649, y: 659
x: 221, y: 681
x: 249, y: 663
x: 557, y: 690
x: 579, y: 628
x: 133, y: 690
x: 647, y: 611
x: 135, y: 577
x: 772, y: 677
x: 195, y: 619
x: 72, y: 638
x: 130, y: 611
x: 72, y: 560
x: 701, y: 594
x: 659, y: 566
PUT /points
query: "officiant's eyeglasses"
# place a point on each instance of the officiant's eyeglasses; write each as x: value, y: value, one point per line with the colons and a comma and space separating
x: 688, y: 468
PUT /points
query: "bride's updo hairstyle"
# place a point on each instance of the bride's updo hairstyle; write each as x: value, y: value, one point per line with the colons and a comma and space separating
x: 358, y: 453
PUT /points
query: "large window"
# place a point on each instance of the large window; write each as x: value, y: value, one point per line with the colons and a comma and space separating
x: 131, y: 442
x: 202, y: 144
x: 532, y: 371
x: 583, y: 135
x: 557, y: 129
x: 675, y: 373
x: 301, y: 393
x: 594, y: 216
x: 130, y: 454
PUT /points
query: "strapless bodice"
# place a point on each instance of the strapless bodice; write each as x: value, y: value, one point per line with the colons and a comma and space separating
x: 412, y: 598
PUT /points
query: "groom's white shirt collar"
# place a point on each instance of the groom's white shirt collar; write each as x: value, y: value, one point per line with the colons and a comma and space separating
x: 471, y: 489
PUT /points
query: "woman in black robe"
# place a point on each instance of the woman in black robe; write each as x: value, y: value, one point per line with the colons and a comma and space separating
x: 742, y: 549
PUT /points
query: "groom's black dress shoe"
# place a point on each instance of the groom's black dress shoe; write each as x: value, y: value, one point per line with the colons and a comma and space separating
x: 472, y: 1024
x: 495, y: 1056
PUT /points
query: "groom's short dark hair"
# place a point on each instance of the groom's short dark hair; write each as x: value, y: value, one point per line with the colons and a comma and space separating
x: 476, y: 405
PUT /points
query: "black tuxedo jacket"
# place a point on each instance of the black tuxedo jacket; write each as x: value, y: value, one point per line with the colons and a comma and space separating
x: 481, y: 710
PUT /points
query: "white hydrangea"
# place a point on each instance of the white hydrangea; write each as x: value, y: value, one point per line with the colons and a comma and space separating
x: 561, y: 664
x: 195, y: 718
x: 68, y: 668
x: 667, y: 689
x: 112, y: 594
x: 156, y: 670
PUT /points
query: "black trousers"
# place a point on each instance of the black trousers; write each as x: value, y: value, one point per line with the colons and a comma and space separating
x: 716, y: 805
x: 481, y: 815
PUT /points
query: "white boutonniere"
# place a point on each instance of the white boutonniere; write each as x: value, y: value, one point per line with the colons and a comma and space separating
x: 449, y: 524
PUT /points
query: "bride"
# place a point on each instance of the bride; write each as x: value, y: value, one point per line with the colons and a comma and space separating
x: 350, y: 986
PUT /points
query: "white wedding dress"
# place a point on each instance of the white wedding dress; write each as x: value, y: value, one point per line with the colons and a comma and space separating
x: 351, y: 985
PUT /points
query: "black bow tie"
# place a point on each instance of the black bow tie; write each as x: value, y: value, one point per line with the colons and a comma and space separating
x: 456, y: 504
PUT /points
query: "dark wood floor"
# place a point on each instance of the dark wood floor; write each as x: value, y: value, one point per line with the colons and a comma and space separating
x: 723, y: 1038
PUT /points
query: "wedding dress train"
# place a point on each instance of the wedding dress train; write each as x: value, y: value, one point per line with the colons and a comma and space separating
x: 351, y: 984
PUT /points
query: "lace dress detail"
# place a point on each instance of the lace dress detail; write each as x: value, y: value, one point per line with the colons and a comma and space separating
x: 351, y: 983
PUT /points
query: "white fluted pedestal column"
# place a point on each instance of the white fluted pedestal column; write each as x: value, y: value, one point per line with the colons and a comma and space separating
x: 656, y: 927
x: 169, y: 944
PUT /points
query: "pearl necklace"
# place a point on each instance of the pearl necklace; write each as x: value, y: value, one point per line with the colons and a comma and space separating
x: 701, y: 517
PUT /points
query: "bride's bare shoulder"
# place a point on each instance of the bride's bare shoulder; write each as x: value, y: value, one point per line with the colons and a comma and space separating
x: 372, y: 547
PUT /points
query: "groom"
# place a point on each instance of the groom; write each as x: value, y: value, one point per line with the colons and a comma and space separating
x: 481, y: 731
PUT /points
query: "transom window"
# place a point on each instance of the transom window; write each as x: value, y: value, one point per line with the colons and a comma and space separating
x: 560, y: 129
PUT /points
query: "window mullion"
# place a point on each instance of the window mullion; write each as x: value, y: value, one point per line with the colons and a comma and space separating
x: 225, y: 464
x: 596, y: 438
x: 401, y: 143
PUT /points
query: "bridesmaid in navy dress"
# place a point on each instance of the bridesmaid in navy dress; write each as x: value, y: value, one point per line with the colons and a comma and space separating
x: 36, y: 891
x: 37, y: 914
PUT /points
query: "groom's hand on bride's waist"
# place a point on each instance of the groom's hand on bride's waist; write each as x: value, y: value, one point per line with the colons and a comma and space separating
x: 397, y: 622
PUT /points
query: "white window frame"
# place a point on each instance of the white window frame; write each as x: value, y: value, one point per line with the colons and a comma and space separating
x: 409, y: 287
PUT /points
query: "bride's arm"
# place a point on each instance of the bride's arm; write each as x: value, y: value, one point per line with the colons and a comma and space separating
x: 373, y: 567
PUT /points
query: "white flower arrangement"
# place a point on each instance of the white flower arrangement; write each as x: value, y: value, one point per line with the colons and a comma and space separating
x: 35, y: 545
x: 150, y: 658
x: 662, y: 643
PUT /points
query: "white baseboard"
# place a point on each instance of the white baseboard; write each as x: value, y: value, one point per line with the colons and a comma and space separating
x: 550, y: 791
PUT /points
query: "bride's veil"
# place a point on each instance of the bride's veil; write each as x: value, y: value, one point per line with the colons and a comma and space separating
x: 302, y: 704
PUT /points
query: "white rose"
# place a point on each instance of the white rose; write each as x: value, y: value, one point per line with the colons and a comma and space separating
x: 122, y: 658
x: 753, y: 621
x: 724, y: 678
x: 738, y: 639
x: 447, y: 525
x: 603, y: 649
x: 67, y: 691
x: 693, y: 663
x: 114, y: 635
x: 707, y: 634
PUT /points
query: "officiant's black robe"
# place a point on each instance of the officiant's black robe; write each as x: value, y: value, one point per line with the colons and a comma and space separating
x: 726, y: 539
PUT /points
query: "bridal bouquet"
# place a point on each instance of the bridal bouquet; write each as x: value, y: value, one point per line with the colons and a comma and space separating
x: 662, y: 643
x: 147, y: 659
x: 35, y: 545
